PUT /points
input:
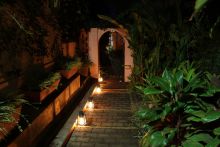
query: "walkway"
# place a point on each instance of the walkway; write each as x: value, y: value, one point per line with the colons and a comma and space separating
x: 108, y: 125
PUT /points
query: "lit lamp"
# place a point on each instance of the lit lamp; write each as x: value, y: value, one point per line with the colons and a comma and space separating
x: 98, y: 89
x: 90, y: 104
x: 81, y: 119
x: 100, y: 79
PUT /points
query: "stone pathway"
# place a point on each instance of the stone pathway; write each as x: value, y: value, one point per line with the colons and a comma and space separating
x: 108, y: 125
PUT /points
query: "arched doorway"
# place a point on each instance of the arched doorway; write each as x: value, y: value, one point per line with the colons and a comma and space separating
x: 111, y: 56
x: 94, y: 36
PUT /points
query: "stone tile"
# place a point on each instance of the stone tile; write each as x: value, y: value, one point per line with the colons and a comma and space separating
x: 87, y: 145
x: 101, y: 145
x: 73, y: 144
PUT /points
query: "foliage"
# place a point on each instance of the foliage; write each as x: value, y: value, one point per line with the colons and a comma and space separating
x: 37, y: 78
x: 73, y: 16
x: 160, y: 35
x: 52, y: 77
x: 86, y: 61
x: 156, y: 36
x: 31, y: 22
x: 10, y: 99
x: 67, y: 63
x: 199, y: 4
x: 180, y: 115
x: 29, y: 30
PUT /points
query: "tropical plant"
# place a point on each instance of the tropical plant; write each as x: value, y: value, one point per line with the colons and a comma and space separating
x: 180, y: 114
x: 199, y: 4
x: 10, y: 99
x: 52, y: 77
x: 156, y: 36
x: 67, y: 63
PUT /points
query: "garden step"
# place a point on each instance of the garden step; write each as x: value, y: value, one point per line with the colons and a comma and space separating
x: 106, y: 118
x: 103, y: 137
x: 112, y: 100
x: 113, y: 85
x: 109, y: 123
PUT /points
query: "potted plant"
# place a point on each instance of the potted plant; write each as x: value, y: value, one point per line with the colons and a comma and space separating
x: 86, y: 64
x: 68, y: 66
x: 11, y: 101
x: 39, y: 83
x: 181, y: 114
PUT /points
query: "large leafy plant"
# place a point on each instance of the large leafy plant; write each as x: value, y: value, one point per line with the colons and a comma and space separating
x: 180, y: 116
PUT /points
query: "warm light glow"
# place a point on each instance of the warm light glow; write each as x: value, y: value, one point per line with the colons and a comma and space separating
x: 90, y: 104
x: 100, y: 79
x: 81, y: 119
x: 98, y: 89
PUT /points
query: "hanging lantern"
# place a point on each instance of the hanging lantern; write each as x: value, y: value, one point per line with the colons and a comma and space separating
x: 90, y: 104
x: 81, y: 120
x: 100, y: 79
x: 98, y: 89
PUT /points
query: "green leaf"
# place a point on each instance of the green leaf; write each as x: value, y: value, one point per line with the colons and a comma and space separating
x: 170, y: 133
x: 142, y: 114
x: 213, y: 143
x: 199, y: 113
x: 211, y: 116
x: 167, y: 109
x: 157, y: 139
x: 199, y: 4
x: 179, y: 77
x: 148, y: 114
x: 217, y: 131
x: 191, y: 143
x: 190, y: 74
x: 193, y: 118
x: 162, y: 83
x: 202, y: 137
x: 148, y: 91
x: 168, y: 76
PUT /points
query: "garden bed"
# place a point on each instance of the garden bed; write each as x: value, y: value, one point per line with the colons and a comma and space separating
x: 42, y: 116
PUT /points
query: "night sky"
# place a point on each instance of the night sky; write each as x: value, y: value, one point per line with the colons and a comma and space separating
x: 110, y: 7
x: 114, y: 7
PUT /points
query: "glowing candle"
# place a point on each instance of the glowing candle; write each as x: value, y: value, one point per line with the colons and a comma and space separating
x: 81, y: 119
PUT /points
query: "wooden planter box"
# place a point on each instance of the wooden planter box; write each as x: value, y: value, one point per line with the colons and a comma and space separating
x: 84, y: 70
x: 39, y: 96
x: 69, y: 73
x: 8, y: 127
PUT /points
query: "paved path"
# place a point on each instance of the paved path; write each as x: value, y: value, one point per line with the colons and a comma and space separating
x: 108, y: 125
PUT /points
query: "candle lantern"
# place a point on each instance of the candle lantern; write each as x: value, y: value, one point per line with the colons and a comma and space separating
x: 81, y: 119
x: 90, y: 104
x: 100, y: 79
x: 98, y: 89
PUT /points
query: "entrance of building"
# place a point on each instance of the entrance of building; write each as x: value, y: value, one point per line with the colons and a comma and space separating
x: 111, y: 56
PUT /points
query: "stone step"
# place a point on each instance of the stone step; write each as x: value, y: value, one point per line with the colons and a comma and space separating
x: 103, y: 137
x: 114, y: 85
x: 109, y: 123
x: 108, y: 118
x: 112, y: 101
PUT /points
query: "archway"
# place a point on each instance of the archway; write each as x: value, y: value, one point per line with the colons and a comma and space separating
x: 111, y: 56
x: 93, y: 45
